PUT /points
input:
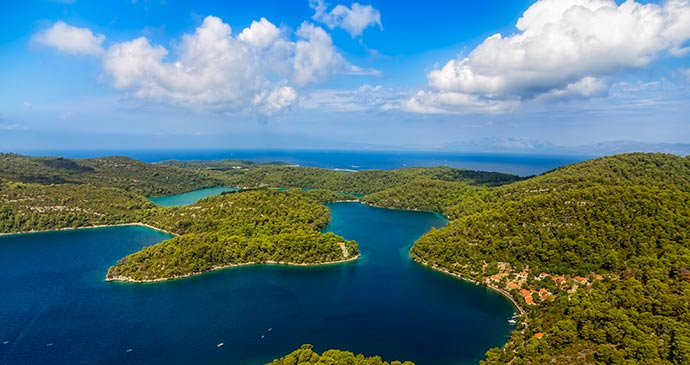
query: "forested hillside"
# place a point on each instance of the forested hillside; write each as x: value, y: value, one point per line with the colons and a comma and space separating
x: 256, y: 226
x: 112, y: 172
x: 598, y: 253
x: 34, y: 207
x: 305, y: 355
x: 274, y: 175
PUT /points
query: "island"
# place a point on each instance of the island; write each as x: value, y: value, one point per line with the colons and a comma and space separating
x: 239, y: 228
x: 595, y: 255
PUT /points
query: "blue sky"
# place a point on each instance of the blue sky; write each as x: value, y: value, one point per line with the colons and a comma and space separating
x: 432, y: 75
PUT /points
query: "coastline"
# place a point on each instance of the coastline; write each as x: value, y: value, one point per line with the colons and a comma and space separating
x: 126, y: 279
x: 134, y: 224
x: 503, y: 292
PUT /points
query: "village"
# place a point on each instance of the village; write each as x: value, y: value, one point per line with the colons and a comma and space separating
x: 536, y: 288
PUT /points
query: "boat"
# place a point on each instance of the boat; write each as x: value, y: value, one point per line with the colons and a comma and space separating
x: 50, y: 344
x: 129, y: 350
x: 220, y: 344
x: 270, y: 329
x: 512, y: 322
x: 5, y: 342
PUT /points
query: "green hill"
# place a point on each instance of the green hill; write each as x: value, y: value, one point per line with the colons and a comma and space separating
x: 612, y: 237
x: 34, y: 207
x: 112, y: 172
x: 258, y: 226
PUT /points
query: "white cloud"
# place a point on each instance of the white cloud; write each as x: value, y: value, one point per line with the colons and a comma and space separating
x: 261, y: 34
x: 69, y: 39
x: 586, y: 87
x: 278, y: 99
x: 353, y: 19
x: 315, y: 55
x: 563, y: 48
x: 213, y: 69
x: 449, y: 102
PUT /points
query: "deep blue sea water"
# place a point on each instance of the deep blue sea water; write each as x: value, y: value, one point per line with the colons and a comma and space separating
x: 520, y: 164
x: 189, y: 197
x: 52, y: 292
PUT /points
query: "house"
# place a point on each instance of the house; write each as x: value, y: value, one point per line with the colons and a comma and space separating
x: 581, y: 280
x: 495, y: 277
x: 512, y: 285
x: 528, y: 296
x: 544, y: 294
x: 539, y: 335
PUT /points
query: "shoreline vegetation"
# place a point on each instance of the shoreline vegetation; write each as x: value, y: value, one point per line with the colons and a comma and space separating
x: 595, y: 256
x: 134, y: 224
x: 125, y: 279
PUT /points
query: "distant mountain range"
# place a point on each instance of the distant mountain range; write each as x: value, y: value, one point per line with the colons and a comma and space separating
x: 519, y: 145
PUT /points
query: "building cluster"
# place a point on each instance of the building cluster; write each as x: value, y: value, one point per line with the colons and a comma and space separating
x: 534, y: 293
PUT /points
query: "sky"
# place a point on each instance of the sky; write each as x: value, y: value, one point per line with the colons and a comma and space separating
x: 450, y: 75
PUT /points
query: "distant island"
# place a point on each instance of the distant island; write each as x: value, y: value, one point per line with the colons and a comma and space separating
x: 595, y: 255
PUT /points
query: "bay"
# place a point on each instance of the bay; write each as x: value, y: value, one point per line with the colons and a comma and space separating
x: 189, y: 197
x: 53, y: 292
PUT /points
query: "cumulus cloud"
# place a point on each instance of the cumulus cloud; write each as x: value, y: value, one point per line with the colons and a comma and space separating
x: 354, y: 19
x: 69, y: 39
x: 564, y: 48
x: 278, y: 99
x: 315, y: 55
x: 211, y: 68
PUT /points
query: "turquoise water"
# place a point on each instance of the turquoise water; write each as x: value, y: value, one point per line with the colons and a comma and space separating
x: 52, y: 292
x: 190, y: 197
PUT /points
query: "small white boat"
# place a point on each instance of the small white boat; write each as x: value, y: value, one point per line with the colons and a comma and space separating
x: 220, y: 344
x: 50, y: 344
x: 5, y: 342
x: 512, y: 321
x: 129, y: 350
x: 270, y: 329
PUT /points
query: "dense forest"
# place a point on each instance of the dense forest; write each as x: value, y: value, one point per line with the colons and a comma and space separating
x: 429, y: 195
x: 305, y: 355
x: 110, y: 172
x: 596, y: 253
x: 257, y: 226
x: 248, y: 175
x: 608, y: 243
x: 35, y: 207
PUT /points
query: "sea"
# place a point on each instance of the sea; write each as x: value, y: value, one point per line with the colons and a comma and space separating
x: 56, y: 307
x: 519, y: 164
